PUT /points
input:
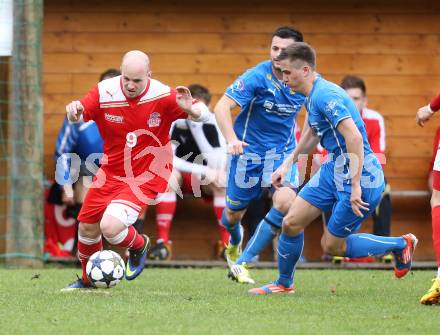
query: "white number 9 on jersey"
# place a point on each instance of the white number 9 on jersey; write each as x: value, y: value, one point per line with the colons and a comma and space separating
x: 131, y: 139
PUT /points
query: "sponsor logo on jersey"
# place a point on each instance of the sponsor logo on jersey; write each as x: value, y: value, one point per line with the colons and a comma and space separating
x: 113, y: 118
x: 154, y: 120
x: 232, y: 202
x: 268, y: 104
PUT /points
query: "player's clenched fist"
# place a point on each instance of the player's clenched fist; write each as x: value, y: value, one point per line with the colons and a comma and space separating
x: 184, y: 98
x: 423, y: 115
x: 279, y: 175
x: 236, y: 147
x: 74, y: 111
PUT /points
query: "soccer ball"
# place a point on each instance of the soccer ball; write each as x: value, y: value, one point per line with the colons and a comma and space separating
x: 105, y: 269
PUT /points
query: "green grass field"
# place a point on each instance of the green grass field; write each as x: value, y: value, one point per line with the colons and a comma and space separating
x: 203, y: 301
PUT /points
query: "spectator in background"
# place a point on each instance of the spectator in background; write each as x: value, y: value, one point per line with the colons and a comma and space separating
x: 375, y: 126
x: 199, y: 160
x: 432, y: 297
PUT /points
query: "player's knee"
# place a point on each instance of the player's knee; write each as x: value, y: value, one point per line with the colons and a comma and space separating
x: 290, y: 224
x: 110, y: 226
x: 283, y: 199
x: 89, y: 230
x: 116, y: 218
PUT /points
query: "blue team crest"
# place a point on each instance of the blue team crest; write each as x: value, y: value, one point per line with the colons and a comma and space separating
x: 238, y: 85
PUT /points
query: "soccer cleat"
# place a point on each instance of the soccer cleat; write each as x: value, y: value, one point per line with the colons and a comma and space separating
x: 432, y: 297
x: 161, y: 252
x: 233, y: 252
x: 240, y: 274
x: 136, y: 260
x: 403, y: 259
x: 271, y: 288
x: 77, y: 285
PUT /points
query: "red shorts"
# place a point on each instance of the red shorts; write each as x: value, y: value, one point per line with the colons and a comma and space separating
x: 113, y: 191
x: 188, y: 185
x: 436, y: 173
x: 436, y: 180
x: 187, y: 182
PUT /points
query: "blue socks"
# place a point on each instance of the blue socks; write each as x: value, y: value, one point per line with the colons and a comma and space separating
x: 289, y: 251
x: 363, y: 245
x: 264, y: 234
x: 233, y: 229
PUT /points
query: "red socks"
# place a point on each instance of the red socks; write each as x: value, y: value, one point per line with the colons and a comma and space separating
x: 132, y: 240
x: 219, y: 206
x: 86, y: 248
x: 436, y: 231
x: 165, y: 210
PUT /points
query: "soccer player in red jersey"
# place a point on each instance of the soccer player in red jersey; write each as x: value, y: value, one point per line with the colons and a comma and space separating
x: 423, y: 116
x: 134, y: 114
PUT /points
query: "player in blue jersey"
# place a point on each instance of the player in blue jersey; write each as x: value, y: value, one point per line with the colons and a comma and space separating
x: 262, y: 135
x: 75, y: 143
x: 349, y: 183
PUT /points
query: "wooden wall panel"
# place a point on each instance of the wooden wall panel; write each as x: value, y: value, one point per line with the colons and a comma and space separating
x: 399, y: 97
x: 237, y: 43
x: 252, y: 6
x: 392, y: 44
x: 137, y: 22
x: 208, y: 64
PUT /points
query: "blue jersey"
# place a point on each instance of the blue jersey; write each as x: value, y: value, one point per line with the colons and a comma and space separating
x: 327, y: 105
x: 268, y: 110
x: 330, y: 188
x: 81, y: 138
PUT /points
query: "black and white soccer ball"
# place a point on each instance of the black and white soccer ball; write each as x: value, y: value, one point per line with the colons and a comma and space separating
x: 105, y: 269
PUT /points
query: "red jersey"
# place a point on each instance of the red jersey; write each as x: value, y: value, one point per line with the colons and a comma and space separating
x: 435, y: 148
x: 375, y: 127
x: 435, y: 103
x: 135, y: 131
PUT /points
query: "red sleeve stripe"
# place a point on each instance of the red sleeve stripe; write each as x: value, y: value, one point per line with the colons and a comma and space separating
x: 435, y: 103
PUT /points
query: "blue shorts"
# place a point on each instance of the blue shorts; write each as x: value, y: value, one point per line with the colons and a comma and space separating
x: 248, y: 175
x: 328, y: 193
